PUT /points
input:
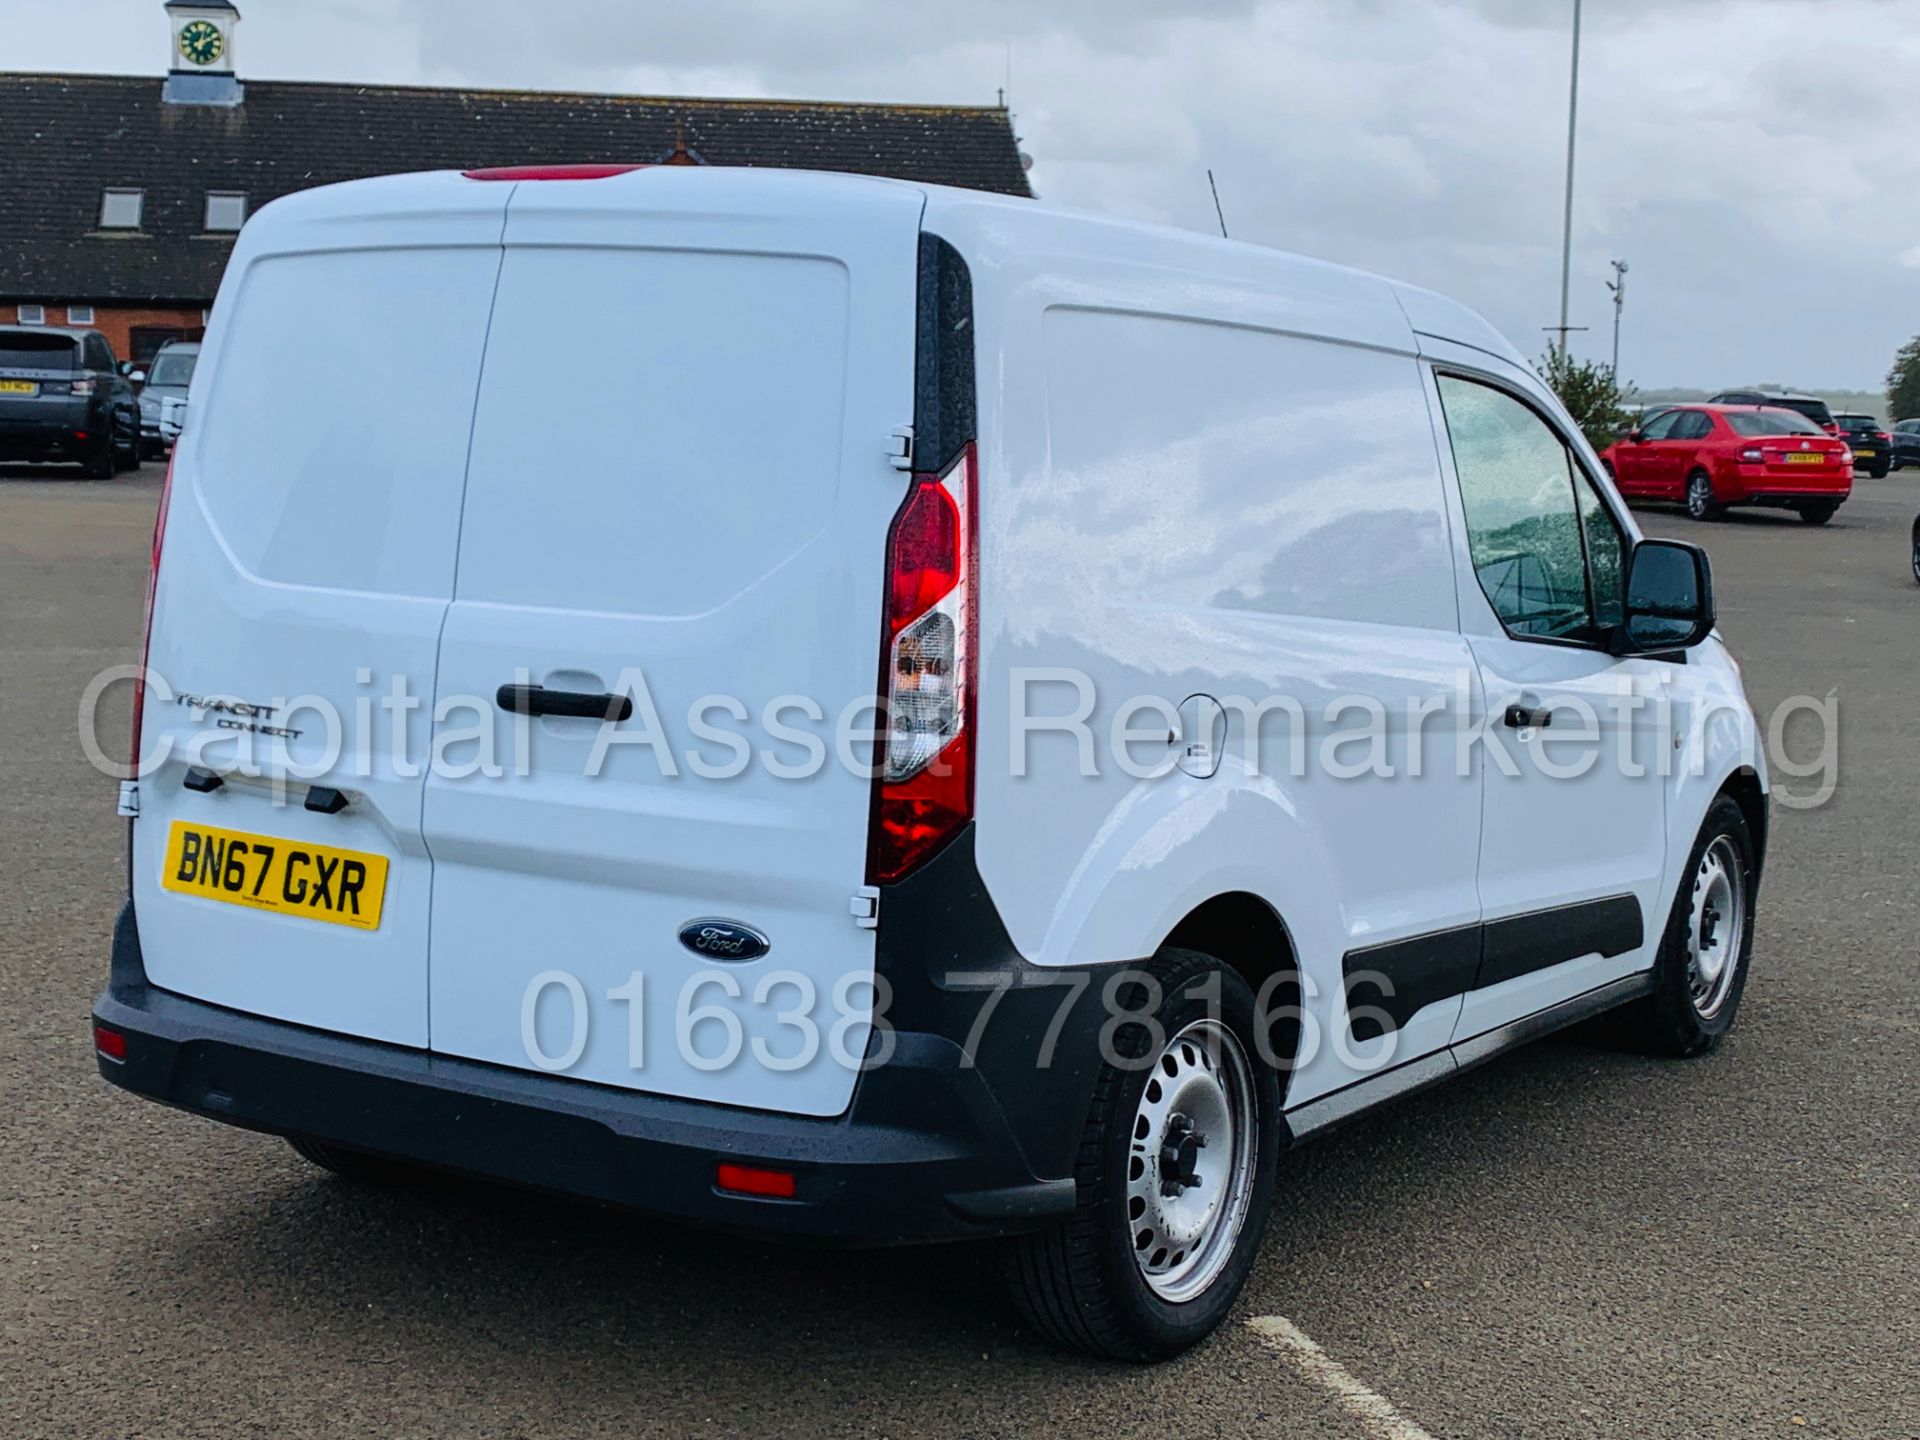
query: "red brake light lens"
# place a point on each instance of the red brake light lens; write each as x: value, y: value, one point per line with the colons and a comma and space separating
x: 923, y: 793
x: 749, y: 1180
x: 552, y: 172
x: 110, y: 1043
x: 146, y: 636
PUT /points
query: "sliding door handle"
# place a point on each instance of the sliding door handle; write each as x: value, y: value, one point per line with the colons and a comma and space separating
x: 573, y: 704
x: 1522, y: 717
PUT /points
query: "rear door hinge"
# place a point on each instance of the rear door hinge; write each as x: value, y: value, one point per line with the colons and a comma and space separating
x: 865, y: 907
x: 129, y: 806
x: 900, y: 448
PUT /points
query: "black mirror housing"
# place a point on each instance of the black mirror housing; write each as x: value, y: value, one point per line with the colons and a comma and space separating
x: 1669, y: 602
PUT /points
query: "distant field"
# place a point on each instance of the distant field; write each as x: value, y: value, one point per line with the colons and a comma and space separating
x: 1864, y: 402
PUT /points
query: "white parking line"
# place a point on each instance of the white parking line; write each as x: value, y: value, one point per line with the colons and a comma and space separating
x: 1375, y: 1411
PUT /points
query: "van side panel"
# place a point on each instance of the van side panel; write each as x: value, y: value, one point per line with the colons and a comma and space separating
x: 1183, y: 493
x: 307, y: 570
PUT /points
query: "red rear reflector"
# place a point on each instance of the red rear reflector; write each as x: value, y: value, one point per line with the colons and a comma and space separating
x: 552, y: 172
x: 746, y: 1180
x: 110, y: 1043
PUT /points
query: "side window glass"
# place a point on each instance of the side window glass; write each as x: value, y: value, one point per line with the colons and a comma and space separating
x: 1694, y: 426
x: 1662, y: 428
x: 1524, y: 528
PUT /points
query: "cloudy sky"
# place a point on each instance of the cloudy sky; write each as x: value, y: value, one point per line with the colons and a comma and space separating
x: 1756, y: 161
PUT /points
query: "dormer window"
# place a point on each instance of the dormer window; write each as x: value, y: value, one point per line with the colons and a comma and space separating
x: 120, y: 209
x: 226, y: 212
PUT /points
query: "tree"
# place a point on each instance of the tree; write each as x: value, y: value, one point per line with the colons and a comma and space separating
x: 1903, y: 382
x: 1593, y: 396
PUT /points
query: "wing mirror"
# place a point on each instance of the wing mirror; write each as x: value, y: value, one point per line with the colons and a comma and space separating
x: 1637, y: 435
x: 1669, y: 604
x: 137, y: 377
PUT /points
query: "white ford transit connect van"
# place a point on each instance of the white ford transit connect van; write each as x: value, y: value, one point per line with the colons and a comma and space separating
x: 1283, y: 714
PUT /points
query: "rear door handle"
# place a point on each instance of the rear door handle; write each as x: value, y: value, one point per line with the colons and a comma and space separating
x: 1521, y: 717
x: 575, y: 704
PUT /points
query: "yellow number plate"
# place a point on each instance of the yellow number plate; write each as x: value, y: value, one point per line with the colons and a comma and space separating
x: 17, y: 387
x: 291, y: 877
x: 1816, y: 458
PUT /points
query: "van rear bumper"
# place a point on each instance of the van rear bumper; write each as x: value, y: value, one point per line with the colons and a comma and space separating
x: 930, y: 1148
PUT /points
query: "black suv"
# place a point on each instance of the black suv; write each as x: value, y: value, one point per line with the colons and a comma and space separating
x: 63, y: 398
x: 1811, y: 406
x: 1906, y: 444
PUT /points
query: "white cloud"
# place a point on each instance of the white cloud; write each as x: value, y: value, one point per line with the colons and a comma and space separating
x: 1751, y: 158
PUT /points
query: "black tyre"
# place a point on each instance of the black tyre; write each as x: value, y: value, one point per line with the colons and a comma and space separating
x: 1916, y: 552
x: 1701, y: 972
x: 127, y: 456
x: 1700, y: 502
x: 355, y: 1164
x: 1175, y: 1175
x: 1818, y: 514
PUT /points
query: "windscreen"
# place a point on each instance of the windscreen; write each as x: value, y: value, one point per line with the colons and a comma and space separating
x: 175, y: 368
x: 1771, y: 422
x: 38, y: 352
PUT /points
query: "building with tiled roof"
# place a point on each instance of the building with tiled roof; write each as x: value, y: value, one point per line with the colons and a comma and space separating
x: 120, y: 196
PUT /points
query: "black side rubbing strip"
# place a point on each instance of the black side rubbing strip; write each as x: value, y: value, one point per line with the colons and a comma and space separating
x: 1388, y: 984
x: 943, y: 398
x: 1521, y: 944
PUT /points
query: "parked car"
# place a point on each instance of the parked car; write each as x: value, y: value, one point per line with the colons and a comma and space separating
x: 1871, y: 442
x: 171, y: 374
x: 1916, y: 550
x: 1811, y: 406
x: 957, y: 980
x: 1709, y: 457
x: 1905, y: 436
x: 62, y: 398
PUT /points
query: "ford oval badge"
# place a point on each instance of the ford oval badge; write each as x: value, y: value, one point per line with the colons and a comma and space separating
x: 724, y: 940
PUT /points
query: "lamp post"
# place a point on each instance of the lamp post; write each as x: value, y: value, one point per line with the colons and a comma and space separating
x: 1573, y: 125
x: 1618, y: 285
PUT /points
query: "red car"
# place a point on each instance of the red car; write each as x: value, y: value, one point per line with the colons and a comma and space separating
x: 1709, y: 457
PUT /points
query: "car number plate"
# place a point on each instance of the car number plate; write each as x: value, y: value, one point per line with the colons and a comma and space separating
x: 1860, y: 454
x: 18, y: 387
x: 290, y: 877
x: 1815, y: 458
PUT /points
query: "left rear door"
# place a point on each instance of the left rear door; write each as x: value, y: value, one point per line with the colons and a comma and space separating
x: 305, y: 576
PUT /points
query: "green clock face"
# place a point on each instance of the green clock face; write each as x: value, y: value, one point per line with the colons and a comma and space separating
x: 201, y: 42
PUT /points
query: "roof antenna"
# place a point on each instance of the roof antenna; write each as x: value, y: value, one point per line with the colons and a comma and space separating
x: 1216, y: 204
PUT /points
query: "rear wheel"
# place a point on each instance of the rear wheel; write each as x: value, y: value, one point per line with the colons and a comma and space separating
x: 1175, y: 1176
x: 1818, y: 514
x: 1700, y: 502
x: 127, y: 456
x: 1916, y: 552
x: 1701, y: 971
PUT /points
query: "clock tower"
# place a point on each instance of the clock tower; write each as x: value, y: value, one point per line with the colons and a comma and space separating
x: 200, y: 71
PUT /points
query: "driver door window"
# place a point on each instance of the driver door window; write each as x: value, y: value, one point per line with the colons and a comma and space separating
x: 1547, y: 551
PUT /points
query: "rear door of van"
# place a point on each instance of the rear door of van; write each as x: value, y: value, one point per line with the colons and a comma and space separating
x: 308, y: 565
x: 676, y: 512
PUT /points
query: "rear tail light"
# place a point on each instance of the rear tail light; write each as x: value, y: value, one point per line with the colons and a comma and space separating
x: 1753, y: 456
x: 1846, y: 454
x: 146, y: 634
x: 83, y: 387
x: 923, y: 793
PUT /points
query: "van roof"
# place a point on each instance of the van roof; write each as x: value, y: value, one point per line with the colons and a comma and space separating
x: 1018, y: 223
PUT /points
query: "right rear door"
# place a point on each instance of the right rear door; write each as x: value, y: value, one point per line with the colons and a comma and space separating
x: 678, y: 494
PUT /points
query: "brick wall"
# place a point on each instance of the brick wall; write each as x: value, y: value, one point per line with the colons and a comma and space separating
x: 118, y: 323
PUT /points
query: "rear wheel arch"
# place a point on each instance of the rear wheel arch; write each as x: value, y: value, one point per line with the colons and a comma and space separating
x: 1245, y: 933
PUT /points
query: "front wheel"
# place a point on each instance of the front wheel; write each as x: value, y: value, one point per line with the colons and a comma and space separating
x: 1818, y: 514
x: 1700, y: 502
x: 1701, y: 971
x: 1175, y: 1176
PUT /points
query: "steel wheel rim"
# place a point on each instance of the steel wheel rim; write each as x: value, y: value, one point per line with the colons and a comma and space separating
x: 1191, y: 1161
x: 1699, y: 495
x: 1716, y: 927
